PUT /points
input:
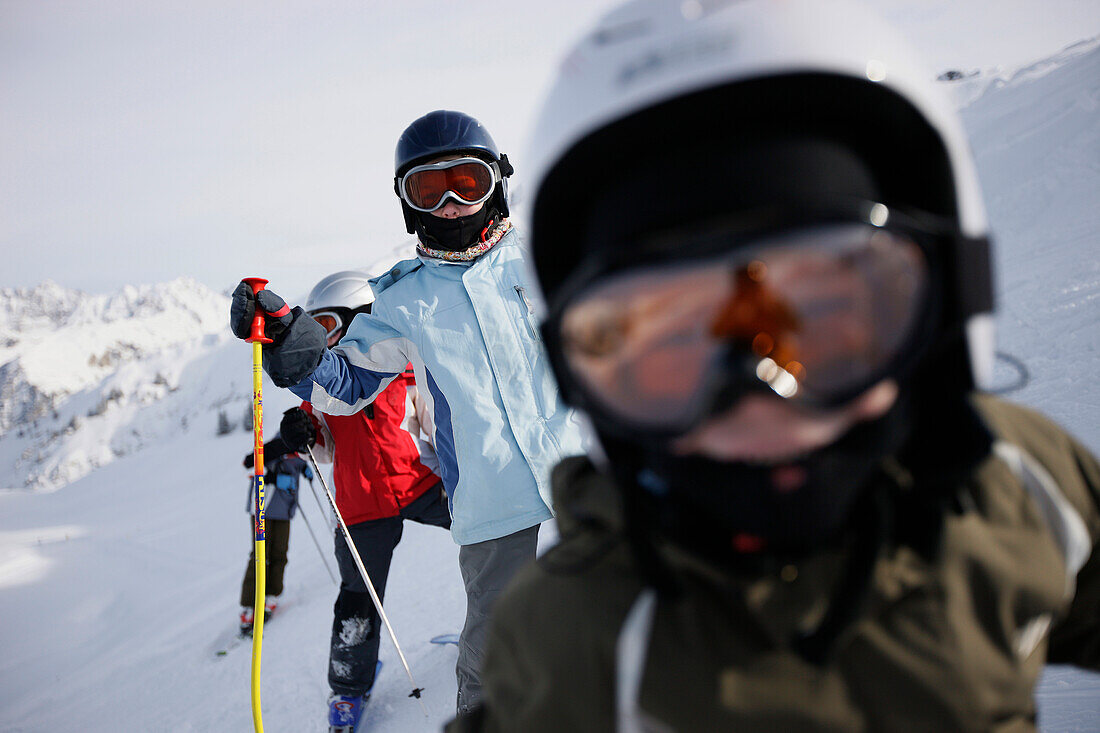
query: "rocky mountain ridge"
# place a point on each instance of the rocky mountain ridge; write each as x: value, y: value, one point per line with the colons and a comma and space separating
x: 87, y: 378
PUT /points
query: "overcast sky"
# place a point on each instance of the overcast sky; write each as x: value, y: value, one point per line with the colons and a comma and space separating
x: 141, y: 140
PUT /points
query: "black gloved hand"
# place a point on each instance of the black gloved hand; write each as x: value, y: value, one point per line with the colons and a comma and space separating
x: 297, y: 429
x: 277, y: 315
x: 298, y: 342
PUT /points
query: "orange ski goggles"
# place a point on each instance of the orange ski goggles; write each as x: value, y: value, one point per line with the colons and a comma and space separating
x: 468, y: 181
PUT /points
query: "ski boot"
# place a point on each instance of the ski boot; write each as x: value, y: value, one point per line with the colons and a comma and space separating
x: 246, y: 621
x: 345, y: 712
x: 270, y: 604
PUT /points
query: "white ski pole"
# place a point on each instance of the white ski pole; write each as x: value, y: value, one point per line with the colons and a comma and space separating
x: 366, y: 579
x: 317, y: 498
x: 318, y: 546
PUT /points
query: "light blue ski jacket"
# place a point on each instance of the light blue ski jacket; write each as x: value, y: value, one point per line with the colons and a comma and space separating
x: 470, y: 331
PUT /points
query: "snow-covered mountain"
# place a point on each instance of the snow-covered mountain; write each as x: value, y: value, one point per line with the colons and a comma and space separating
x: 85, y: 379
x: 115, y: 588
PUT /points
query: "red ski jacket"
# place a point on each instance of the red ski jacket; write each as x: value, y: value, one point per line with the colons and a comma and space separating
x: 380, y: 464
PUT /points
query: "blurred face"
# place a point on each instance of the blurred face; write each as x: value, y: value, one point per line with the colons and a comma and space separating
x: 451, y: 209
x: 765, y: 429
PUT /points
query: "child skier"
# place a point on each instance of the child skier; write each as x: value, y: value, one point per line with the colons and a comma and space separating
x: 462, y: 312
x: 771, y: 294
x: 282, y: 469
x: 383, y: 473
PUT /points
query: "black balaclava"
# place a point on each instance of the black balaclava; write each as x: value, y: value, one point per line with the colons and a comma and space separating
x: 458, y: 234
x: 727, y: 510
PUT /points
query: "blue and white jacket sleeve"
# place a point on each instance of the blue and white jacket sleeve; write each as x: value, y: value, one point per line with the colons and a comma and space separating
x: 355, y: 371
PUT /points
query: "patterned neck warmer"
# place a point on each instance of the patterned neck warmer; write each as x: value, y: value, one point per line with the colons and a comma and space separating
x: 473, y: 252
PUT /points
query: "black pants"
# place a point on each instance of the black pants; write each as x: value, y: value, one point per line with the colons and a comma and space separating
x: 356, y: 625
x: 276, y: 542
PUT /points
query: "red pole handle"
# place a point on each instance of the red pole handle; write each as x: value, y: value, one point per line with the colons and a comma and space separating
x: 257, y: 284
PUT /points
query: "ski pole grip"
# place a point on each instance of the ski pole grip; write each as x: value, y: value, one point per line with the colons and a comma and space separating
x: 257, y: 284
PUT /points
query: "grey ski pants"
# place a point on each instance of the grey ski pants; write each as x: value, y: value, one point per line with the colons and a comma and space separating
x: 487, y: 567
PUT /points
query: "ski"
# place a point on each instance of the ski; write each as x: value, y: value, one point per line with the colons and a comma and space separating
x: 235, y: 641
x: 446, y: 639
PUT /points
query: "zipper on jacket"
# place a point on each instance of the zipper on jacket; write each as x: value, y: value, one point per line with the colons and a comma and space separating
x: 539, y: 406
x: 522, y: 293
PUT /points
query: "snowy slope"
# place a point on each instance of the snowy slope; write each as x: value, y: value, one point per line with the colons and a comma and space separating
x: 1037, y: 145
x: 116, y: 588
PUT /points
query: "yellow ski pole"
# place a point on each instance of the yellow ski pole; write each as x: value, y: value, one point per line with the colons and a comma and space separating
x: 257, y: 339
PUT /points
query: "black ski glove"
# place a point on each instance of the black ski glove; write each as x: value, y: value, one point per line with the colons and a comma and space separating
x: 297, y: 429
x: 298, y: 341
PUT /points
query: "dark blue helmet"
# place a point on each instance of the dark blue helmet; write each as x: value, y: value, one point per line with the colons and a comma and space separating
x: 439, y: 133
x: 443, y: 132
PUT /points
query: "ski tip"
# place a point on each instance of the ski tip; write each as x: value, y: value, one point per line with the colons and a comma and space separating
x: 445, y: 639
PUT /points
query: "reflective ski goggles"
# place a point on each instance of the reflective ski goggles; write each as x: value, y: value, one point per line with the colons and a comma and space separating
x: 815, y: 315
x: 332, y: 321
x: 468, y: 181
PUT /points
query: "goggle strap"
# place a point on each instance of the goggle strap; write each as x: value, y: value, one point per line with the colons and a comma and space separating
x: 974, y: 276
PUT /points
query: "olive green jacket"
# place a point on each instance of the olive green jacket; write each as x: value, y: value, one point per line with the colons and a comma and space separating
x: 955, y: 642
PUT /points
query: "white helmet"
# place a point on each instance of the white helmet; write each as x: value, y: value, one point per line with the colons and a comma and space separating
x: 649, y: 55
x: 348, y: 289
x: 337, y: 299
